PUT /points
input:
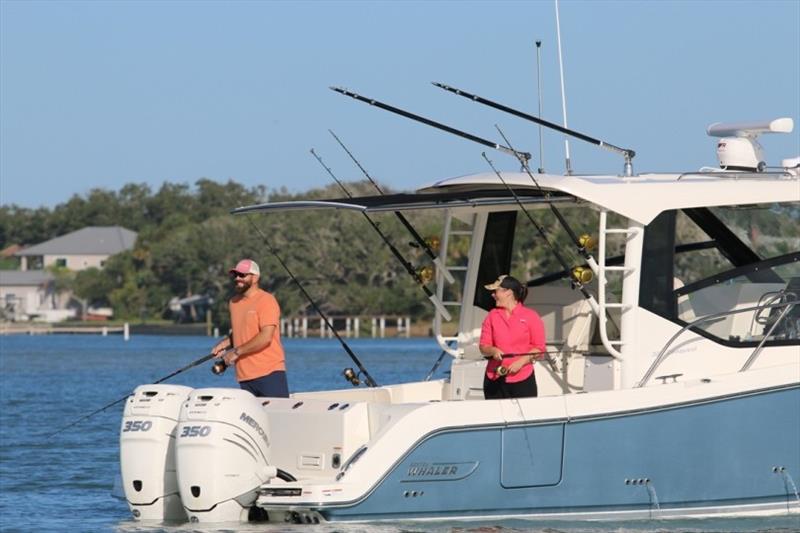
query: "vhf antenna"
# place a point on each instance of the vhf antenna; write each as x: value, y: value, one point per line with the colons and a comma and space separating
x: 563, y: 95
x: 539, y: 83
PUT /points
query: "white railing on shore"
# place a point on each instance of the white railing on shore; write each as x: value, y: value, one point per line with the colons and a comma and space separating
x: 33, y: 328
x: 299, y: 326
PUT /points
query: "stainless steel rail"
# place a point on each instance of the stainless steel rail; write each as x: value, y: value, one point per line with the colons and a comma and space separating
x: 718, y: 316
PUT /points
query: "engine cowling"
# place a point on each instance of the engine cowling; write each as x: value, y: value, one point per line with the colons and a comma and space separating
x: 147, y: 452
x: 222, y: 454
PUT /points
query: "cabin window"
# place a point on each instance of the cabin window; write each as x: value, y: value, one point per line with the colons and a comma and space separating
x: 730, y: 264
x: 656, y: 289
x: 61, y: 262
x: 495, y: 255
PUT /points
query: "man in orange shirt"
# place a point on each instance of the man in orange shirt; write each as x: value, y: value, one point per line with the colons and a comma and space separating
x: 257, y: 353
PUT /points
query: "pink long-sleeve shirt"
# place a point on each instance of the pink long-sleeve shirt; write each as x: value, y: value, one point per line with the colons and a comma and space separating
x: 521, y: 332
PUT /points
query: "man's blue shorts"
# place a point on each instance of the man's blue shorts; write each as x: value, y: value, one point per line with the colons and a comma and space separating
x: 272, y: 385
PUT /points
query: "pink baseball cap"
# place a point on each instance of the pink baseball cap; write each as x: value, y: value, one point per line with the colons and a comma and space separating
x: 246, y: 266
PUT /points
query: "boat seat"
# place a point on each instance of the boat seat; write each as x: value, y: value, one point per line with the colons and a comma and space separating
x: 567, y: 316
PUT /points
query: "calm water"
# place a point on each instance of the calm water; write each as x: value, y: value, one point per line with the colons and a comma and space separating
x: 64, y: 483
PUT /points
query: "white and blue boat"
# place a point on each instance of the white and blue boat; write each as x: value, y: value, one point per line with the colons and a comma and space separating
x: 672, y: 388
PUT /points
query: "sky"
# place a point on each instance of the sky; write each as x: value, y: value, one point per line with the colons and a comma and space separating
x: 98, y: 94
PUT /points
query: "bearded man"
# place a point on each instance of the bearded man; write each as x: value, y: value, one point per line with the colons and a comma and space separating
x: 254, y: 346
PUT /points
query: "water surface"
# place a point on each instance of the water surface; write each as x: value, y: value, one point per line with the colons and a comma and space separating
x: 63, y: 482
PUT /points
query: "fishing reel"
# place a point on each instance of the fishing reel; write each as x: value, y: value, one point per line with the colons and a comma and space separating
x: 502, y: 371
x: 425, y: 274
x: 587, y: 242
x: 582, y: 275
x: 352, y: 376
x: 219, y: 367
x: 433, y: 243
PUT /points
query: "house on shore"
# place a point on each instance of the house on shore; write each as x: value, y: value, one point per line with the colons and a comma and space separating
x: 85, y: 248
x: 30, y: 293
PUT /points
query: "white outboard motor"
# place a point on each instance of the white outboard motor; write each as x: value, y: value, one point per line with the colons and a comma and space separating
x: 222, y: 454
x: 147, y: 452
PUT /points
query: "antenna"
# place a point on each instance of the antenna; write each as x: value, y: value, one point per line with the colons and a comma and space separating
x: 539, y: 82
x: 563, y: 95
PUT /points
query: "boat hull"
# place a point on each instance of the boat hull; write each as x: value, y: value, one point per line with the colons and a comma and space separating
x: 732, y: 455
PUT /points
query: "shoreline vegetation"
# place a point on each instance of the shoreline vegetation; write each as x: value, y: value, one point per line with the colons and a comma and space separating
x: 187, y: 240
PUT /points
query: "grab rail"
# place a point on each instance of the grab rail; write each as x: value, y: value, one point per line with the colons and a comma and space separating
x: 711, y: 318
x: 757, y: 351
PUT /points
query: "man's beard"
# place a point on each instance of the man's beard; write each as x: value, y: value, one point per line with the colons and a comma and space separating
x: 243, y: 287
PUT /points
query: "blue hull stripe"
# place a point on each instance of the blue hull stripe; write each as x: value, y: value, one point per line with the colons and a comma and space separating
x: 712, y: 454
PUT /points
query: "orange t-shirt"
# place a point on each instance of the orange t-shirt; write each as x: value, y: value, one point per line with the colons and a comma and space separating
x: 249, y: 314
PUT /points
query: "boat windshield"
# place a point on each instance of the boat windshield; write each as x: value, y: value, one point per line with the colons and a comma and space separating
x: 755, y: 261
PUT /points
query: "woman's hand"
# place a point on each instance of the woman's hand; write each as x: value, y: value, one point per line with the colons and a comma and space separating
x: 518, y: 363
x: 498, y: 354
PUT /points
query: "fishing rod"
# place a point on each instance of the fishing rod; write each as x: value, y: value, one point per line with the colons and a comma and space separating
x: 429, y: 122
x: 550, y: 352
x: 362, y: 370
x: 417, y: 237
x: 115, y: 402
x: 626, y: 153
x: 579, y: 274
x: 584, y: 242
x: 576, y: 278
x: 545, y: 356
x: 409, y: 268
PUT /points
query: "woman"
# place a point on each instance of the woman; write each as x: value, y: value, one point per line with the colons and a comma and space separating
x: 511, y: 328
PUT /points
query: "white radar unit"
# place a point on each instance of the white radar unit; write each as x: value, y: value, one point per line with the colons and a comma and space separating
x: 738, y: 147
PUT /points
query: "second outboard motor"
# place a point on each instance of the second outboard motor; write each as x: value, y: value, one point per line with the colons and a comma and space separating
x: 147, y: 451
x: 222, y: 454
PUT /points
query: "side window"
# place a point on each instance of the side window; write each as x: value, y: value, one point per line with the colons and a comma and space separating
x: 727, y: 276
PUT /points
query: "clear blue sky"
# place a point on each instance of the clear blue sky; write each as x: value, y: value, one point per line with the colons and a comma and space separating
x: 103, y: 93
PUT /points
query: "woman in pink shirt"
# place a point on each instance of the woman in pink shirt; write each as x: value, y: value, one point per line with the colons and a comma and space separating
x: 511, y: 328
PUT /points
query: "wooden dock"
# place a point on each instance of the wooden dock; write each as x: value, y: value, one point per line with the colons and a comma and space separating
x: 33, y: 328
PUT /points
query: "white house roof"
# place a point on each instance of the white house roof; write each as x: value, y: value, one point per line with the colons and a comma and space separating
x: 91, y: 240
x: 643, y: 197
x: 24, y: 277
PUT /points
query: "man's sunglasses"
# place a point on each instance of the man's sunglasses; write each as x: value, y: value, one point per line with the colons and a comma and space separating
x: 237, y: 275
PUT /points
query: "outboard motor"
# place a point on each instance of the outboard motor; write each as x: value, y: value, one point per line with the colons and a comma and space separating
x: 222, y: 454
x: 147, y: 451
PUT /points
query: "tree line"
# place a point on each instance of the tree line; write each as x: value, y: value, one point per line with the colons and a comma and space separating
x: 187, y: 241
